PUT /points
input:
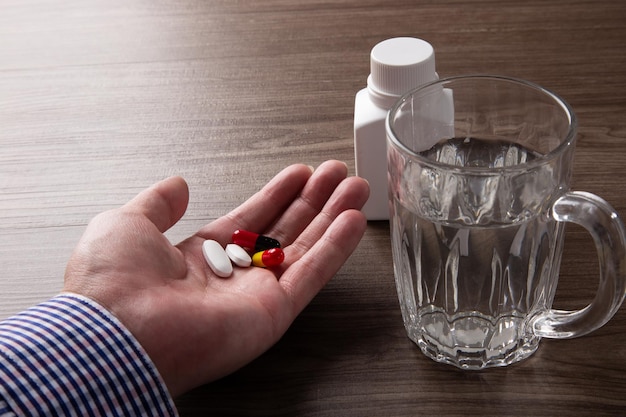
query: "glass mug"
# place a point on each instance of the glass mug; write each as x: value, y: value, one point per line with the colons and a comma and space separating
x: 479, y: 169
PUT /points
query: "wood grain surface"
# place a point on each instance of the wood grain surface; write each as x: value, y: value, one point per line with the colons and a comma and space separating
x: 101, y: 98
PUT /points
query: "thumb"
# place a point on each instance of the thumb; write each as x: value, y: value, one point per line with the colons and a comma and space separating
x: 164, y: 203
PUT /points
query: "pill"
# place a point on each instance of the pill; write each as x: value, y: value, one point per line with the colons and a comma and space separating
x: 268, y: 257
x: 217, y: 258
x: 238, y: 255
x: 254, y: 241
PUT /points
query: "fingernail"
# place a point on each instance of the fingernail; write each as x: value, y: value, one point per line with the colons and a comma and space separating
x: 312, y: 168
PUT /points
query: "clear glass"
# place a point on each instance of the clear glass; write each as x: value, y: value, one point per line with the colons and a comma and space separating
x: 479, y: 174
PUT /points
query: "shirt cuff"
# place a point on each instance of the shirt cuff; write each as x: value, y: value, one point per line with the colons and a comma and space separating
x: 70, y: 356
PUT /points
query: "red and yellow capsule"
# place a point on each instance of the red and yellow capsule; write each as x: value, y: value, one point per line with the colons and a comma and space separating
x: 268, y: 258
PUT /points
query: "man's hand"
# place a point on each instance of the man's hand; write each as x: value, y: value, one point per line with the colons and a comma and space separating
x: 198, y: 327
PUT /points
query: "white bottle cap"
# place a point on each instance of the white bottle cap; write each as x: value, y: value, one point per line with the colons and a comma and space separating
x: 398, y: 65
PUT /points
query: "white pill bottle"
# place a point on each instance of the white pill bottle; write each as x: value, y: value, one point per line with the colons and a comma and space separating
x: 397, y: 65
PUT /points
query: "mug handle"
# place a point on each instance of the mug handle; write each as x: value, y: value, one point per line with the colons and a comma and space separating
x: 607, y: 230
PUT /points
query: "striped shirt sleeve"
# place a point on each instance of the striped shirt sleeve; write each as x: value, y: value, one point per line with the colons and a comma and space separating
x: 69, y: 356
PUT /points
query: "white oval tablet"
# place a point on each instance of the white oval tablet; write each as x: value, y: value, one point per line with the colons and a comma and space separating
x: 217, y: 258
x: 238, y: 255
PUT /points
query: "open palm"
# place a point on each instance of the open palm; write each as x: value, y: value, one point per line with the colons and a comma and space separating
x: 195, y: 326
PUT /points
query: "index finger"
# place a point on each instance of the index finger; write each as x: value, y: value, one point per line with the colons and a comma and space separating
x: 261, y: 210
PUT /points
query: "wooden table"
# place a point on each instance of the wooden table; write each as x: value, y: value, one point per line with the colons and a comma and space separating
x: 99, y: 99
